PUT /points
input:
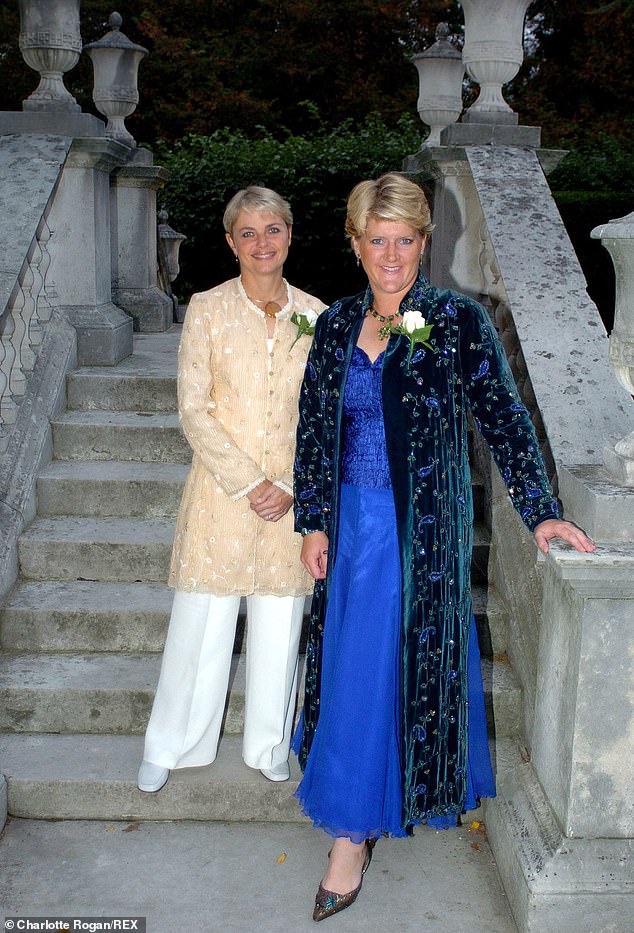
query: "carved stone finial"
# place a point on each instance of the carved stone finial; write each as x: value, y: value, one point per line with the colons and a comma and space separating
x: 442, y: 31
x: 115, y: 61
x: 440, y: 72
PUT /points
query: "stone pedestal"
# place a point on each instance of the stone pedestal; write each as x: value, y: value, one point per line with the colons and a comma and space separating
x: 81, y: 252
x: 491, y: 134
x: 562, y: 826
x: 51, y: 124
x: 135, y: 288
x: 593, y: 499
x: 456, y: 240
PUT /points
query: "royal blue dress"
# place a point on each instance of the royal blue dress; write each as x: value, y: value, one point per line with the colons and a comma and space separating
x: 352, y: 783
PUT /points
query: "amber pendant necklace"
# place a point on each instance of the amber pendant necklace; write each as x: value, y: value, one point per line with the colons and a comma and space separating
x: 270, y: 308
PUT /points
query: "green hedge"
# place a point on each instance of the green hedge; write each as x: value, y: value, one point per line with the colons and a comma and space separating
x: 315, y: 174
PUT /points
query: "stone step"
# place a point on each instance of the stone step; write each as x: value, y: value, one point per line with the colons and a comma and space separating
x: 120, y: 435
x: 92, y: 693
x: 124, y: 549
x: 94, y: 488
x: 106, y: 549
x: 113, y: 693
x: 87, y: 616
x: 491, y: 621
x: 120, y: 391
x: 93, y: 777
x: 144, y: 381
x: 127, y: 488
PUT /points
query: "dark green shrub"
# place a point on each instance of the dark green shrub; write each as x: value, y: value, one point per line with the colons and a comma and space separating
x: 315, y: 174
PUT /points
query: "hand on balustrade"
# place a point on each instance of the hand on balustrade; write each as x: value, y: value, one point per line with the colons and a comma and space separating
x: 557, y: 528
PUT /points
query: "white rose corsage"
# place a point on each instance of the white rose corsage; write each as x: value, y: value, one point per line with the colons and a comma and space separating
x: 412, y: 326
x: 305, y: 322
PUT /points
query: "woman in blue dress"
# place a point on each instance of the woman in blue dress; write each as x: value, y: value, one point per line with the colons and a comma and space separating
x: 393, y: 731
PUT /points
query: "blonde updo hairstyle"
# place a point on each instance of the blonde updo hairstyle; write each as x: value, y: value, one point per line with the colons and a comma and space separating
x: 255, y: 198
x: 390, y: 197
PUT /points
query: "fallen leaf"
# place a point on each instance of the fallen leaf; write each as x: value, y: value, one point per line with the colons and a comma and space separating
x: 475, y: 824
x: 476, y: 845
x: 281, y: 858
x: 131, y: 828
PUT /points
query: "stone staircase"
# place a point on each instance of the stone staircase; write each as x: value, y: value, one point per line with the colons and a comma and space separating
x: 82, y: 631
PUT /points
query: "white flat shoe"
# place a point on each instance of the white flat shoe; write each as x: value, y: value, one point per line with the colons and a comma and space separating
x: 278, y: 773
x: 151, y: 777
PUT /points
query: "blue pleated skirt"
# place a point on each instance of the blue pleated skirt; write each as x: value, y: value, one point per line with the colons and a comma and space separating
x: 352, y: 784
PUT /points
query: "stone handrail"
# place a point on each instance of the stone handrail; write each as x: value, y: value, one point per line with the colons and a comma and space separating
x: 550, y: 325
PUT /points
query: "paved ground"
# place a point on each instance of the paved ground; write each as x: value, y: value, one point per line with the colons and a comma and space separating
x: 227, y: 878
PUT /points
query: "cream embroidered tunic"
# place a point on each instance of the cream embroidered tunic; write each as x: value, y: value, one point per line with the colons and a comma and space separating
x: 237, y: 403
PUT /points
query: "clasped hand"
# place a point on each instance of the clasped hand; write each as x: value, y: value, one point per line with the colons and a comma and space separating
x: 269, y: 502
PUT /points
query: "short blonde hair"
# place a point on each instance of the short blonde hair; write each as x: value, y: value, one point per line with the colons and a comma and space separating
x: 390, y: 197
x: 255, y: 198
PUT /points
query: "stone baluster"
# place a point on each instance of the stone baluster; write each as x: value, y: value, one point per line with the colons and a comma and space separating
x: 17, y: 380
x: 36, y: 332
x: 29, y: 315
x: 618, y: 238
x: 44, y: 306
x: 8, y: 404
x: 440, y: 74
x: 50, y: 43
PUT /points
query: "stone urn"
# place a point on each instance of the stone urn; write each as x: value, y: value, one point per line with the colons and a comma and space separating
x: 493, y: 52
x: 440, y: 73
x: 618, y: 238
x: 50, y: 42
x: 115, y: 60
x: 172, y: 242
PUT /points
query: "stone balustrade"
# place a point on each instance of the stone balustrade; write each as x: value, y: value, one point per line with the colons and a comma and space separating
x: 562, y: 825
x: 22, y: 325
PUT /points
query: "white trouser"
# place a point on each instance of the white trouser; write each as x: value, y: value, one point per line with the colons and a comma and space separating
x: 184, y: 727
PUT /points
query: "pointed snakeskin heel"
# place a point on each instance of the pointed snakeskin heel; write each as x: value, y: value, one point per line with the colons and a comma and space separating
x: 328, y: 903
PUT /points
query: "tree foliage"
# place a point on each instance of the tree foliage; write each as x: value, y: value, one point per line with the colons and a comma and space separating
x: 238, y: 64
x: 577, y: 81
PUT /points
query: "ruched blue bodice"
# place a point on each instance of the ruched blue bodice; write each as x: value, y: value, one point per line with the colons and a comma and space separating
x: 364, y: 450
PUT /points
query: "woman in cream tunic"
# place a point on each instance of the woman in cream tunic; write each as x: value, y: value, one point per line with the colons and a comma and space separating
x: 240, y: 366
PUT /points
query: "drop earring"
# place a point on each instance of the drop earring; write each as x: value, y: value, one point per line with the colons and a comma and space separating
x: 358, y: 260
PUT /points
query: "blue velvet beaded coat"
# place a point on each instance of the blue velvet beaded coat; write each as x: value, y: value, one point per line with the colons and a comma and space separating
x: 425, y: 404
